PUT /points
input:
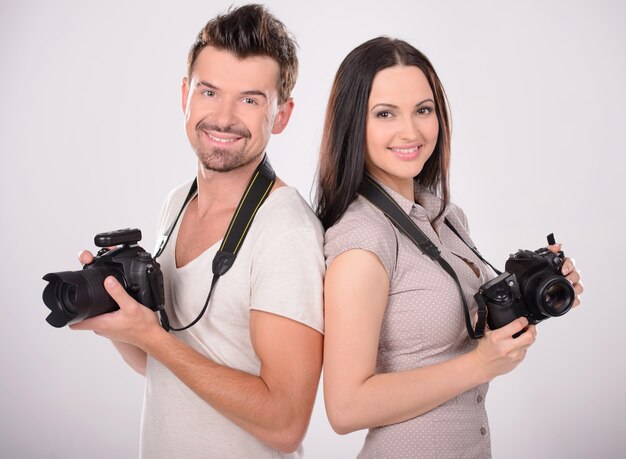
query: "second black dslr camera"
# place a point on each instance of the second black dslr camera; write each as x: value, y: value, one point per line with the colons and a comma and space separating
x: 73, y: 296
x: 532, y: 287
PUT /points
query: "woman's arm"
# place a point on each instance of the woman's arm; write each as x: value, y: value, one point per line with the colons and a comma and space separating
x: 355, y: 296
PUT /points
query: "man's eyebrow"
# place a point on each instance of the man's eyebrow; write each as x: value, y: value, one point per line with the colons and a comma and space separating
x: 207, y: 85
x: 254, y: 92
x: 385, y: 105
x: 250, y: 92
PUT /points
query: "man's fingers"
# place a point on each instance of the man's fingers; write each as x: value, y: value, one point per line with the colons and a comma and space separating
x: 117, y: 292
x: 119, y: 295
x: 85, y: 257
x: 93, y: 323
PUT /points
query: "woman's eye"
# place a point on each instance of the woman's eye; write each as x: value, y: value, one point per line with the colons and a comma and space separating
x: 424, y: 110
x: 384, y: 114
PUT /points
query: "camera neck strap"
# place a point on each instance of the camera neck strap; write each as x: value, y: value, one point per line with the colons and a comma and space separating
x: 256, y: 193
x: 472, y: 248
x: 375, y: 194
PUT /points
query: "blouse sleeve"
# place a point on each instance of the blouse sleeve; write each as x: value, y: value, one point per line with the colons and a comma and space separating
x: 366, y: 228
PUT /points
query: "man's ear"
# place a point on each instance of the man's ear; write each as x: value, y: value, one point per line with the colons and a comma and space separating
x: 185, y: 93
x: 282, y: 117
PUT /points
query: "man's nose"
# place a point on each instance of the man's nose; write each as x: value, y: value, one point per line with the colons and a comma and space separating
x: 226, y: 113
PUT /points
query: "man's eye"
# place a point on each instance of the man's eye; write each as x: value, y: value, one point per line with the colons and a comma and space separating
x: 249, y: 100
x: 208, y: 93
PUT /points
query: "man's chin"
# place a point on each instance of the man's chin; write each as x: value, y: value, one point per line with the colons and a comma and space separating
x: 220, y: 160
x: 223, y: 161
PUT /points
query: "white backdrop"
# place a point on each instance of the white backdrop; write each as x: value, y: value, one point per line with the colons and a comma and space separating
x: 91, y: 139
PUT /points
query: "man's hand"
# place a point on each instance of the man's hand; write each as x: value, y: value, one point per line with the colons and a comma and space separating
x: 133, y: 323
x: 135, y: 357
x: 85, y: 257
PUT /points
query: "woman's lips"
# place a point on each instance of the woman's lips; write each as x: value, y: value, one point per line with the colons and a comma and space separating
x: 406, y: 151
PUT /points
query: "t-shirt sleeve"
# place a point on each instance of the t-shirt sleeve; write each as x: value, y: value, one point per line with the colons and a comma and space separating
x: 363, y: 229
x: 160, y: 226
x: 287, y: 277
x: 169, y: 211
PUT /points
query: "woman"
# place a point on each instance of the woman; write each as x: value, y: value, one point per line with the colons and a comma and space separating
x: 398, y: 359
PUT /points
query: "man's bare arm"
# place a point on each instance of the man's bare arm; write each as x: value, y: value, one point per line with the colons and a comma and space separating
x: 274, y: 406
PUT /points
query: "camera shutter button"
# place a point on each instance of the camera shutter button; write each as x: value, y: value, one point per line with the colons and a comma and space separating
x: 144, y: 256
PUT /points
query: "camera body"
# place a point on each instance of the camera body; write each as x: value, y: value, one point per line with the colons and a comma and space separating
x: 532, y: 286
x: 73, y: 296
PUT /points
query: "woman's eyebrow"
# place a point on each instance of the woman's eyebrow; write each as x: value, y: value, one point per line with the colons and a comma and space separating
x: 386, y: 105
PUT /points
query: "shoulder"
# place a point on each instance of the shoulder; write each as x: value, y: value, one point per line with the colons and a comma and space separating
x: 173, y: 203
x: 286, y: 259
x: 457, y: 217
x: 179, y: 193
x: 286, y: 212
x: 365, y: 227
x: 362, y: 221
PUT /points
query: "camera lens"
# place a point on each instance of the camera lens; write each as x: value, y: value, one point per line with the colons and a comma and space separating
x: 68, y: 297
x: 76, y: 295
x: 555, y: 296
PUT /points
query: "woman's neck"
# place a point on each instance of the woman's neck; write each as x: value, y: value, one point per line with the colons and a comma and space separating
x: 402, y: 186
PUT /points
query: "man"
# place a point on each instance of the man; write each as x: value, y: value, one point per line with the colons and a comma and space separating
x: 241, y: 382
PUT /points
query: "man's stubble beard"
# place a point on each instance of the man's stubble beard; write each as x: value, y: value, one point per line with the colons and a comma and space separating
x: 218, y: 160
x: 222, y: 160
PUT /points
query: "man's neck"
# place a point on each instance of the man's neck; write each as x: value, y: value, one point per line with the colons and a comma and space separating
x: 223, y: 190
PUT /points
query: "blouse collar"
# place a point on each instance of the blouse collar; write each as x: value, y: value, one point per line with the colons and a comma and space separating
x: 428, y: 207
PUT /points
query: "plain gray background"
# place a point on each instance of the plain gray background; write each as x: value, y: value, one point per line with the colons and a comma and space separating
x: 92, y: 139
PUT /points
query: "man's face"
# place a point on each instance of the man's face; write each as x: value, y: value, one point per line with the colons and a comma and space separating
x: 231, y: 108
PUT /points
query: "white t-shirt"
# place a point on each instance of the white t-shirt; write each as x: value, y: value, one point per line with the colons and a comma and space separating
x: 279, y: 269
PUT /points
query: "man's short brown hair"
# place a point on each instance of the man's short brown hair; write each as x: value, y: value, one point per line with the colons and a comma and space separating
x: 251, y: 30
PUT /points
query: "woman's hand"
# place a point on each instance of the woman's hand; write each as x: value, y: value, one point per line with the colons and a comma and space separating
x: 498, y: 352
x: 571, y: 274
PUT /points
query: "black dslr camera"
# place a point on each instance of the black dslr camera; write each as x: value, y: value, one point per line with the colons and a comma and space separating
x: 73, y: 296
x: 532, y: 287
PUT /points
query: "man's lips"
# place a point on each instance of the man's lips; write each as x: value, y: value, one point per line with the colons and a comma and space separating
x: 222, y: 135
x: 222, y: 138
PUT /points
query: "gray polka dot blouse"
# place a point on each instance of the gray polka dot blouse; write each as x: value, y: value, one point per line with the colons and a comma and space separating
x: 423, y: 323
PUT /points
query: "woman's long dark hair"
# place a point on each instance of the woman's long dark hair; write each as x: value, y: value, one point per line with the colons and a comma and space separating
x: 342, y: 155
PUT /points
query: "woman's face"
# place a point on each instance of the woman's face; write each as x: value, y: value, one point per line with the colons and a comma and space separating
x: 402, y: 126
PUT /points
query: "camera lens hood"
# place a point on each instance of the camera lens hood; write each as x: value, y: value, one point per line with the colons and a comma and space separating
x: 72, y: 296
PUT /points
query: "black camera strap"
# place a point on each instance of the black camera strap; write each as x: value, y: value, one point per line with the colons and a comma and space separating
x: 255, y: 195
x: 472, y: 248
x: 375, y: 194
